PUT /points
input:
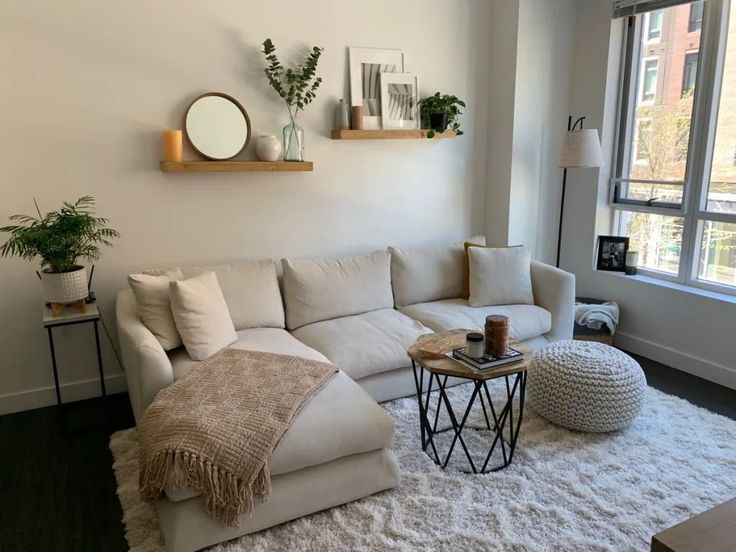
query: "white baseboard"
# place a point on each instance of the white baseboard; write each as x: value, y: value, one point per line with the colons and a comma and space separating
x: 70, y: 392
x: 705, y: 369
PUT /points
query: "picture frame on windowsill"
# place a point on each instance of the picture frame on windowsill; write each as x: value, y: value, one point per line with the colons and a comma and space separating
x: 612, y: 253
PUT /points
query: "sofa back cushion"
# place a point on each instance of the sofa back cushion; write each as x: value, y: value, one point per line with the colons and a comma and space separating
x: 321, y: 289
x: 251, y: 291
x: 423, y: 274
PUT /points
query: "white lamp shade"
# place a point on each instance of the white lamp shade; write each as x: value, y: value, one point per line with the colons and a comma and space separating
x: 581, y: 148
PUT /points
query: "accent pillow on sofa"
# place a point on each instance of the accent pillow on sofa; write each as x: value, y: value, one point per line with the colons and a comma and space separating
x: 500, y: 276
x: 201, y: 315
x: 154, y: 305
x: 321, y: 289
x: 466, y: 264
x: 423, y: 274
x: 251, y: 291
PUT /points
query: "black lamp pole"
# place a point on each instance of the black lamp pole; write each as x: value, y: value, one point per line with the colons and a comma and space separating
x: 570, y: 127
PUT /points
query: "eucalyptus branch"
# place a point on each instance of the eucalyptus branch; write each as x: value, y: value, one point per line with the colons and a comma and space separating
x: 297, y: 85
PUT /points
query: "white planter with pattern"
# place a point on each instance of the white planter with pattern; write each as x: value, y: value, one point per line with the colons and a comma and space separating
x: 65, y: 287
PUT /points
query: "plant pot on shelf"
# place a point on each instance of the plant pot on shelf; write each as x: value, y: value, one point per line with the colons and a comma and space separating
x: 62, y: 288
x: 438, y: 121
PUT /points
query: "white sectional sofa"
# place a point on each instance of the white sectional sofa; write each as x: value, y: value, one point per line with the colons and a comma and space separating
x: 361, y: 313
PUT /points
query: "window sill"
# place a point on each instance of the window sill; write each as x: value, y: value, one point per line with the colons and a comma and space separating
x: 641, y: 278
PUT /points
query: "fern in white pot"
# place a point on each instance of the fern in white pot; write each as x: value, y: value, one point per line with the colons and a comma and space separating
x: 60, y: 238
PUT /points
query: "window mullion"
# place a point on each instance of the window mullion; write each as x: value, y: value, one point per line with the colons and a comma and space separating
x: 705, y: 113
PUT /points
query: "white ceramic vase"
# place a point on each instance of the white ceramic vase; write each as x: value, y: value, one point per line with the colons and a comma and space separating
x: 65, y: 287
x: 268, y: 148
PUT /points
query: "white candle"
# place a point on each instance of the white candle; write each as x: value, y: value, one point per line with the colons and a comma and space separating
x: 632, y: 259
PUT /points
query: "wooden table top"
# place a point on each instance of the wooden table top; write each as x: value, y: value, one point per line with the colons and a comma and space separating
x: 713, y: 531
x: 449, y: 367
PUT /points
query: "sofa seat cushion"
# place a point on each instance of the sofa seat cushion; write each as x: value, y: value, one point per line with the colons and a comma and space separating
x: 364, y: 344
x: 269, y: 340
x: 525, y: 321
x: 339, y: 420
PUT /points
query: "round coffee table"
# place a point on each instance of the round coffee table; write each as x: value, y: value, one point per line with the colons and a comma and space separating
x: 502, y: 419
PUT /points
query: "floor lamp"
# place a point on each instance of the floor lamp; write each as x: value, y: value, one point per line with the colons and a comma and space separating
x: 580, y: 148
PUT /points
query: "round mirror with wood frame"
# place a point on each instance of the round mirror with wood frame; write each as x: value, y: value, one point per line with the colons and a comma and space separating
x: 217, y: 126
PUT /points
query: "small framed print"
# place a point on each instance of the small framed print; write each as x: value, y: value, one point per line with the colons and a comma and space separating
x: 399, y: 100
x: 366, y: 65
x: 612, y: 253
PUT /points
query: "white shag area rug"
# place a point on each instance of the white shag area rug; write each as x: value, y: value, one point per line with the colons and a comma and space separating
x: 563, y: 491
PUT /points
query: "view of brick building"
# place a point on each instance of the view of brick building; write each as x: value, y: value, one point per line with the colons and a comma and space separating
x: 667, y: 78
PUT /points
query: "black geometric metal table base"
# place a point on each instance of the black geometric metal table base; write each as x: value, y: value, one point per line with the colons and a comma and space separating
x: 503, y: 424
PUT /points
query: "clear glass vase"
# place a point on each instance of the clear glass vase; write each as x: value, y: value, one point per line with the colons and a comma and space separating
x: 293, y: 142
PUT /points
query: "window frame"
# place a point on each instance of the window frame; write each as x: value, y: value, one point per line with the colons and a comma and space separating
x: 643, y: 80
x: 695, y: 25
x: 685, y: 65
x: 635, y: 159
x: 648, y: 29
x: 703, y: 129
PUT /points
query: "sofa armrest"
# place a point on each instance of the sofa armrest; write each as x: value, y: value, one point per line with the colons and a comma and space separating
x: 554, y: 290
x: 146, y: 364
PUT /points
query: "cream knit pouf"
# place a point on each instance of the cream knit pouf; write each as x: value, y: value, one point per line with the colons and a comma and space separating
x: 586, y: 386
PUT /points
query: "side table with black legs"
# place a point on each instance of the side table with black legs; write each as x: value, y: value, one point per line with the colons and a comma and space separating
x: 69, y: 318
x: 502, y: 418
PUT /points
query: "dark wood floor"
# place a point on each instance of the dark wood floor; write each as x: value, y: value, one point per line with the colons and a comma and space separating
x: 57, y: 486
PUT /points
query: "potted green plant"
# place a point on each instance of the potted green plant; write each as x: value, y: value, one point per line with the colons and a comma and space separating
x: 297, y: 86
x: 440, y: 112
x: 60, y: 238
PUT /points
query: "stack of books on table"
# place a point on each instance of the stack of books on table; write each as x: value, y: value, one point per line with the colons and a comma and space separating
x: 486, y: 362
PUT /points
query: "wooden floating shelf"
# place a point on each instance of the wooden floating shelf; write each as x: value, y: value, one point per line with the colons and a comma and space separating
x: 236, y: 166
x: 397, y: 134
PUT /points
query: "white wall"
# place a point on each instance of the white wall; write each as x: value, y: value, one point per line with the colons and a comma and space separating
x: 503, y: 31
x: 684, y: 329
x: 87, y: 88
x: 531, y: 56
x: 543, y: 60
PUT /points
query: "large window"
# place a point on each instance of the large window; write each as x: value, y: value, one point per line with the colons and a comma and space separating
x: 674, y: 185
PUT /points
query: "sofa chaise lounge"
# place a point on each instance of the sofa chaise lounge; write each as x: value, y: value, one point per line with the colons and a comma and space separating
x: 361, y: 313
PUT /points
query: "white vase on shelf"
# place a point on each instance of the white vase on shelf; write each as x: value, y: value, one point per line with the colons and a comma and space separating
x: 268, y: 148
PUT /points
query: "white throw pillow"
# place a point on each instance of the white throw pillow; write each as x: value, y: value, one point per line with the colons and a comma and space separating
x: 251, y: 291
x: 154, y: 306
x: 321, y: 289
x: 201, y: 315
x: 500, y: 276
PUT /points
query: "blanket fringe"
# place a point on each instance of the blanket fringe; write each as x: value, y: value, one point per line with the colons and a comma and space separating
x: 226, y: 497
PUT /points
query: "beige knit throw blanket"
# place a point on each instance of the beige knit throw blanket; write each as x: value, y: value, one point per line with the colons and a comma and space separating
x: 214, y: 430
